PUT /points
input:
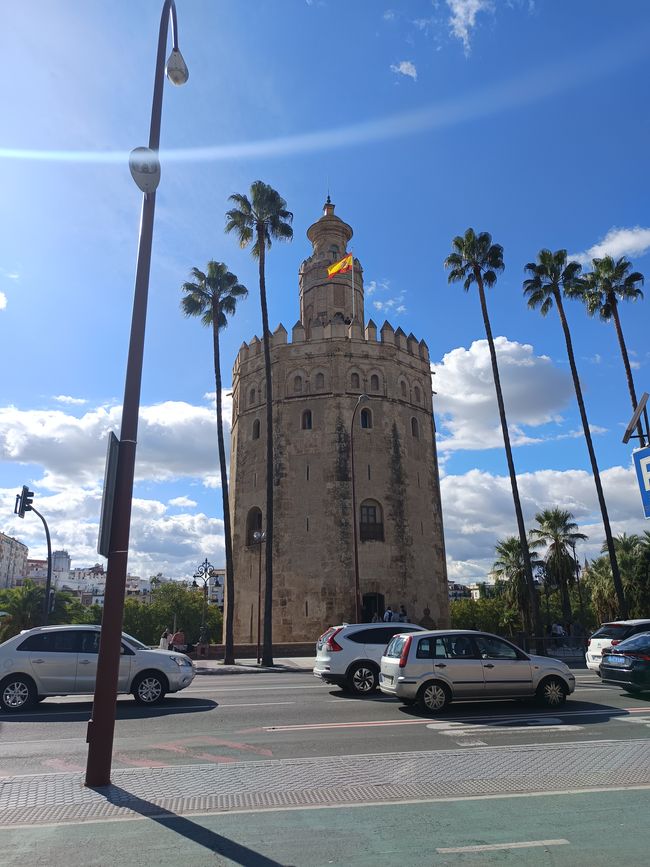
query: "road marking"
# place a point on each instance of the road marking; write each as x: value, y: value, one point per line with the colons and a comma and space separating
x: 257, y: 704
x: 493, y: 847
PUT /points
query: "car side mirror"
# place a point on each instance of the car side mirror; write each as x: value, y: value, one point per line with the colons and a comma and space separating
x: 484, y: 655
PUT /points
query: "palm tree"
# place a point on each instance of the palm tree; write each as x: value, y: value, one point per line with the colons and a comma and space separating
x: 213, y: 295
x: 260, y: 220
x: 551, y: 277
x: 475, y: 259
x: 558, y: 532
x: 609, y: 283
x: 510, y: 567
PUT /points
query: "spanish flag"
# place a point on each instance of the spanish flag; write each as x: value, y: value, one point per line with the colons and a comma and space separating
x: 341, y: 267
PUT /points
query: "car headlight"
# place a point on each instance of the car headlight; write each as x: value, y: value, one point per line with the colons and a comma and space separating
x: 181, y: 661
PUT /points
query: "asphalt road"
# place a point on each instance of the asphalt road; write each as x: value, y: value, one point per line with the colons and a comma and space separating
x: 256, y: 717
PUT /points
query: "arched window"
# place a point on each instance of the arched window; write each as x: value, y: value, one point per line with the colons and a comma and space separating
x: 306, y: 420
x: 415, y: 428
x: 402, y: 388
x: 374, y: 382
x: 253, y: 524
x: 251, y: 397
x: 256, y: 429
x: 320, y: 381
x: 297, y: 384
x: 354, y: 380
x: 366, y: 419
x: 417, y: 394
x: 371, y: 525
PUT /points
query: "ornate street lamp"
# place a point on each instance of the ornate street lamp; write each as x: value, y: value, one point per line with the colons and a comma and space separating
x: 204, y: 573
x: 145, y: 169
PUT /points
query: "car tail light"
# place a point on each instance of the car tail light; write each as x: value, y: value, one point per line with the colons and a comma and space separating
x: 331, y: 644
x: 615, y: 641
x: 405, y: 652
x: 589, y: 643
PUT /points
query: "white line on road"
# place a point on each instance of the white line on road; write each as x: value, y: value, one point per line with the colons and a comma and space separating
x: 493, y: 847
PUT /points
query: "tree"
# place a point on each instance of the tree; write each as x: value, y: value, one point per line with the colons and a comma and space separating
x: 510, y: 567
x: 551, y: 278
x: 213, y: 296
x: 258, y: 221
x: 608, y: 283
x: 475, y: 259
x: 558, y: 532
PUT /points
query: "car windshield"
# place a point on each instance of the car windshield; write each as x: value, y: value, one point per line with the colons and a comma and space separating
x: 612, y: 630
x: 134, y: 641
x: 638, y: 643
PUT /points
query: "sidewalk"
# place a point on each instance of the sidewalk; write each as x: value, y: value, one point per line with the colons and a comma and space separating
x: 249, y: 666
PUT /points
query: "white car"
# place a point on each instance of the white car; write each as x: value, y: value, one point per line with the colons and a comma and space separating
x: 62, y: 660
x: 609, y: 635
x: 439, y: 666
x: 349, y: 655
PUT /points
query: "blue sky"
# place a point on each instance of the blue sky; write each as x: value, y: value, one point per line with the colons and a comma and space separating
x: 526, y: 119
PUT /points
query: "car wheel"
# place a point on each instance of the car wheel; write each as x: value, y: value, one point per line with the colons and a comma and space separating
x: 149, y: 688
x: 363, y: 678
x: 551, y: 692
x: 434, y: 697
x: 17, y: 693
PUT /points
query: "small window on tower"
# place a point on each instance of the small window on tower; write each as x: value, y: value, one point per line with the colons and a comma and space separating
x: 374, y: 382
x: 320, y: 381
x: 415, y: 428
x: 251, y: 397
x: 306, y: 420
x: 366, y: 419
x: 256, y: 429
x: 297, y: 385
x: 402, y: 387
x: 354, y: 380
x: 417, y: 394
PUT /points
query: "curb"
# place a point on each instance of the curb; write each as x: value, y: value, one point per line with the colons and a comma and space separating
x: 247, y: 669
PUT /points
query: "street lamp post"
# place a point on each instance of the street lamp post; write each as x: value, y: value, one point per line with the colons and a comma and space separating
x: 580, y: 602
x: 259, y: 536
x: 363, y: 398
x: 145, y: 170
x: 204, y: 573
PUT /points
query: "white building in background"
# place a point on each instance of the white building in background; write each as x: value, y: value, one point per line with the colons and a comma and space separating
x: 13, y: 561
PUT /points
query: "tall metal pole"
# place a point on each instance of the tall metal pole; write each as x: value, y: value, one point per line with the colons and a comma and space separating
x: 363, y: 398
x: 101, y: 727
x: 259, y: 536
x: 48, y: 580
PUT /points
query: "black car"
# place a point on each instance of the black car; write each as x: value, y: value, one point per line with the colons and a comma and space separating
x: 628, y: 664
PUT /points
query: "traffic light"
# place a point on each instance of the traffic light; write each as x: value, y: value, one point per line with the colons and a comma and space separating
x: 24, y: 502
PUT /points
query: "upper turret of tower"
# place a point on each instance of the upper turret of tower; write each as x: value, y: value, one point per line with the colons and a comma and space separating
x: 326, y: 299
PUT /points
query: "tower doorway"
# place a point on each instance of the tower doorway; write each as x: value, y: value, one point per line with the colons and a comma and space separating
x: 373, y: 603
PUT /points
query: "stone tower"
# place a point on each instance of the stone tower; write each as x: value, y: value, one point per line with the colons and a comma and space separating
x: 320, y: 381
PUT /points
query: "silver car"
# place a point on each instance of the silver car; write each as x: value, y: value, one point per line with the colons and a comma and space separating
x: 62, y: 660
x: 436, y: 667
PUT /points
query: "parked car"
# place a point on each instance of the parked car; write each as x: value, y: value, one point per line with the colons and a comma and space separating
x: 628, y: 664
x: 609, y: 635
x: 62, y: 660
x: 440, y: 666
x: 349, y: 655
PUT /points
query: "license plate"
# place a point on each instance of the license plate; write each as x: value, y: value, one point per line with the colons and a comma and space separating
x: 386, y: 678
x: 617, y: 661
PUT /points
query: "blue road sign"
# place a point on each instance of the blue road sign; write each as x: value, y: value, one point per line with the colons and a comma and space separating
x: 642, y: 464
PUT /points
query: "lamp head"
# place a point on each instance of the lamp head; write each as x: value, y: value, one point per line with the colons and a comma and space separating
x: 363, y: 398
x: 176, y: 68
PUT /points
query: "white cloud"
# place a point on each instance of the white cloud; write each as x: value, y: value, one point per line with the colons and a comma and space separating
x: 405, y: 67
x: 617, y: 242
x: 463, y: 18
x: 388, y: 15
x: 478, y: 510
x: 3, y: 300
x: 534, y: 393
x: 65, y: 398
x: 390, y: 300
x: 182, y: 503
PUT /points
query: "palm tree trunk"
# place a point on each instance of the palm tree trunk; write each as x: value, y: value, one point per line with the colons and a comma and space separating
x: 267, y: 644
x: 616, y: 575
x: 537, y: 623
x: 626, y: 362
x: 229, y: 655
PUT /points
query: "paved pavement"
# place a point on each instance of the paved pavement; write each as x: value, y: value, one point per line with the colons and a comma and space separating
x: 250, y: 666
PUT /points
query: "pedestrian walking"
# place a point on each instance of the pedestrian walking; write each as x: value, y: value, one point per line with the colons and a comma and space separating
x: 164, y: 640
x: 178, y: 641
x: 388, y: 615
x: 403, y: 616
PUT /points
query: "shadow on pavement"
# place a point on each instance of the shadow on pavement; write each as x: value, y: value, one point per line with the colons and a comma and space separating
x: 79, y: 711
x: 187, y: 828
x: 594, y: 713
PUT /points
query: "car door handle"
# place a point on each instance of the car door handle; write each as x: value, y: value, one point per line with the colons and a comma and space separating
x: 440, y: 665
x: 38, y: 660
x: 84, y: 662
x: 487, y: 665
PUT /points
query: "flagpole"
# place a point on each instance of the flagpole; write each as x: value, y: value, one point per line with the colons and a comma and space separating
x: 352, y: 285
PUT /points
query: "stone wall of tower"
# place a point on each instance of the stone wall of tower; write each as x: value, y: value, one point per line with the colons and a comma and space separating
x: 395, y: 467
